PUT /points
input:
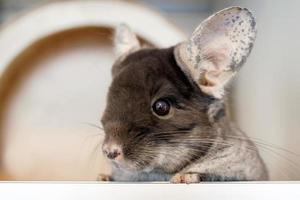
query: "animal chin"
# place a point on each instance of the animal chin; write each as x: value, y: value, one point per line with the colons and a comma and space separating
x: 125, y: 165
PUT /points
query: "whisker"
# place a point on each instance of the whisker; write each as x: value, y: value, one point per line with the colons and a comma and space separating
x: 93, y: 125
x: 279, y: 158
x: 189, y: 141
x: 94, y: 155
x: 196, y: 143
x: 245, y: 138
x: 262, y: 142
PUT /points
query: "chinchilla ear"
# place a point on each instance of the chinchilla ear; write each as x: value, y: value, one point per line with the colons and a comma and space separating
x: 217, y: 49
x: 125, y: 41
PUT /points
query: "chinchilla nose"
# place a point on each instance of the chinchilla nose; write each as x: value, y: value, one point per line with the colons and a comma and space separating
x: 112, y: 151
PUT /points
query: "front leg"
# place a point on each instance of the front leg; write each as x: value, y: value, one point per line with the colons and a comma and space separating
x: 104, y: 177
x: 235, y: 163
x: 186, y: 178
x: 200, y: 177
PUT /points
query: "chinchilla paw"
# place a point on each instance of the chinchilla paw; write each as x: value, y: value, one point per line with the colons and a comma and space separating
x: 104, y: 177
x: 186, y: 178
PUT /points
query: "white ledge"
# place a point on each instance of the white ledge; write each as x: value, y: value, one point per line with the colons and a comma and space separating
x: 148, y: 191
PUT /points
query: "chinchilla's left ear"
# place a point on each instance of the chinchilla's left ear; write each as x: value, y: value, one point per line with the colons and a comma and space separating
x: 125, y: 41
x: 217, y: 49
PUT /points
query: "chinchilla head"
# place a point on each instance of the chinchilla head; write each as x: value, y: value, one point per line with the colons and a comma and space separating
x: 162, y: 104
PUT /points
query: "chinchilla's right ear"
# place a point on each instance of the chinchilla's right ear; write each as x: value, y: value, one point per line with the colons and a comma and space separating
x: 125, y: 41
x: 217, y: 49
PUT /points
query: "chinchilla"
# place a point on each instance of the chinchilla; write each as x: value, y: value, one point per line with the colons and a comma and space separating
x: 166, y: 117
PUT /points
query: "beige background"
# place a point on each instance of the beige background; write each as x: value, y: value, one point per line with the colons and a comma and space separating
x: 46, y: 124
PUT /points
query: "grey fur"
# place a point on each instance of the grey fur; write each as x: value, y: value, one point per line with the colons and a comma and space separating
x: 195, y: 142
x: 201, y: 139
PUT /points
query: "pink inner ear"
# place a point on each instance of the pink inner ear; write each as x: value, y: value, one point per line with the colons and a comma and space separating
x: 217, y: 59
x: 209, y: 78
x: 218, y: 56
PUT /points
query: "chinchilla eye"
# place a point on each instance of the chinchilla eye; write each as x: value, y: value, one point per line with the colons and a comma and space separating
x: 161, y: 107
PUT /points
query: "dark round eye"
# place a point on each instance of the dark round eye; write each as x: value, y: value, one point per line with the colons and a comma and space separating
x: 161, y: 107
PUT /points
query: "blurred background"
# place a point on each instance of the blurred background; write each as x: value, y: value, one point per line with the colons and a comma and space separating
x: 265, y: 98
